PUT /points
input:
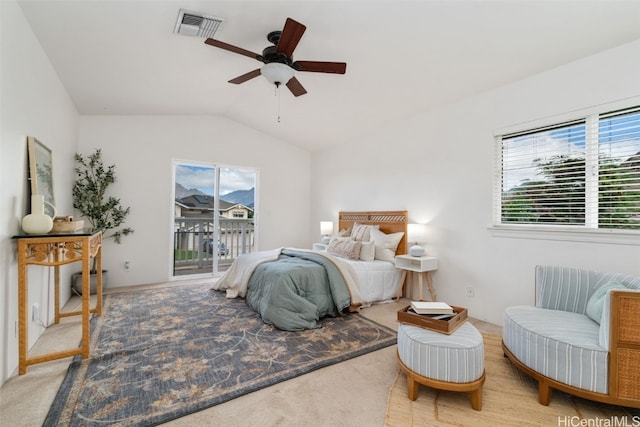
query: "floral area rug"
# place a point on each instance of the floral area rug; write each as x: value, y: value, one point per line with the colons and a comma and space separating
x: 160, y: 354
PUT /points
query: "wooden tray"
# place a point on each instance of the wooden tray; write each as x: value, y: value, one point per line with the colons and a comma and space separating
x: 443, y: 326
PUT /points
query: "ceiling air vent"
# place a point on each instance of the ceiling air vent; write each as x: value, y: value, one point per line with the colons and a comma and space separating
x: 195, y: 24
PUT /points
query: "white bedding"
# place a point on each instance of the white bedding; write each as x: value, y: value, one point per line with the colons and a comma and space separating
x: 379, y: 281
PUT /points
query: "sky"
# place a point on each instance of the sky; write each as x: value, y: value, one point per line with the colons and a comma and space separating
x: 202, y: 178
x: 619, y: 138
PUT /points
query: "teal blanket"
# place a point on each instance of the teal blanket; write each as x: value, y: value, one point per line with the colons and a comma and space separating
x: 297, y: 290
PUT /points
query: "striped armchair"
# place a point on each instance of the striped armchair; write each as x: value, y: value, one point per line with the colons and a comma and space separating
x: 582, y: 337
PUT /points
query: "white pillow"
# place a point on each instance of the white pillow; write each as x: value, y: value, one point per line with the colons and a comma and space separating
x: 386, y: 244
x: 367, y: 251
x: 362, y: 232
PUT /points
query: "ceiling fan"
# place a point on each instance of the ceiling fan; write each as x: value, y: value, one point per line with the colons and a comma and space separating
x: 279, y: 64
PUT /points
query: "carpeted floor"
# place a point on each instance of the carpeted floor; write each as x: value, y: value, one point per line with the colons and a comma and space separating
x: 355, y: 392
x: 160, y: 354
x: 510, y: 398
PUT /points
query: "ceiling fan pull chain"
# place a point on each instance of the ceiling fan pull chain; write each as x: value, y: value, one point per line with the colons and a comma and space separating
x: 277, y: 85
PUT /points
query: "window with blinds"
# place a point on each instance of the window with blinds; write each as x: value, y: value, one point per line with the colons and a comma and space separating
x: 583, y: 173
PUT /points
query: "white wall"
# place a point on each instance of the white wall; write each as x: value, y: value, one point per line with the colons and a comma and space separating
x: 143, y: 147
x: 33, y: 102
x: 439, y: 166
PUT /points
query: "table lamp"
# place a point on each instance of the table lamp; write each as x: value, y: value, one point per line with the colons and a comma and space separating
x: 326, y: 229
x: 416, y: 234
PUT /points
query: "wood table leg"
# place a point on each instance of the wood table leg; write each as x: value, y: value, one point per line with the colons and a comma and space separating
x: 430, y: 286
x: 23, y: 347
x: 56, y: 284
x: 56, y: 294
x: 86, y: 301
x: 99, y: 282
x: 402, y: 284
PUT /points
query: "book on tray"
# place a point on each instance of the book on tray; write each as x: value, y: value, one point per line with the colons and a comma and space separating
x: 431, y: 307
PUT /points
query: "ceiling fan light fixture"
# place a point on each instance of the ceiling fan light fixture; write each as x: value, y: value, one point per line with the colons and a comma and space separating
x: 277, y: 73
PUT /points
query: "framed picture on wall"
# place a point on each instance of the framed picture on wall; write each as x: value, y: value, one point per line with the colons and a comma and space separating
x: 41, y: 172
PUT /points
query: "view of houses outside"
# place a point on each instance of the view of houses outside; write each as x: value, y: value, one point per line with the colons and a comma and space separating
x: 198, y: 247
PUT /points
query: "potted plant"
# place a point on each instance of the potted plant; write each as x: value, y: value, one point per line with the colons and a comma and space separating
x: 103, y: 212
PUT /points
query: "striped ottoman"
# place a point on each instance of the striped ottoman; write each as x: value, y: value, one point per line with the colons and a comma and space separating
x: 447, y: 362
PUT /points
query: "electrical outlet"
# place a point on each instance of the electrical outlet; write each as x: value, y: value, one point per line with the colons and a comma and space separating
x: 470, y: 292
x: 126, y: 266
x: 35, y: 312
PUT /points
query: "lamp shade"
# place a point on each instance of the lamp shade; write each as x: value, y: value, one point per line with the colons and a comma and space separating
x: 326, y: 227
x: 416, y: 233
x: 277, y: 73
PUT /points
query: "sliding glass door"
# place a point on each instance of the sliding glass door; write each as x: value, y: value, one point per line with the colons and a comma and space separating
x: 213, y: 216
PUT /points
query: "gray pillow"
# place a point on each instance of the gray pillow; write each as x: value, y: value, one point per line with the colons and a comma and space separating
x: 595, y: 305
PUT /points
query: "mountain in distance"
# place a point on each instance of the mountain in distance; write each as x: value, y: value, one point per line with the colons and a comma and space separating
x: 244, y: 197
x: 182, y: 192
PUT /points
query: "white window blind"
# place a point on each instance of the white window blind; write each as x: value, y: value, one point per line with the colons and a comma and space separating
x: 583, y: 173
x: 619, y: 170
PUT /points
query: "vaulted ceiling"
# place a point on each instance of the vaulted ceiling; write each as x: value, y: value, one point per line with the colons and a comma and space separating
x: 123, y: 57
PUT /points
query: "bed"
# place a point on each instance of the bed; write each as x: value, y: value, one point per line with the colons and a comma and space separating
x: 293, y: 289
x: 378, y: 280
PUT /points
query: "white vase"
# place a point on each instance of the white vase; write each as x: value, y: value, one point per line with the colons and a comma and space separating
x: 37, y: 222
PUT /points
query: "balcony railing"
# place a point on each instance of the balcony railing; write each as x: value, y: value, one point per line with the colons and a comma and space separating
x: 195, y: 243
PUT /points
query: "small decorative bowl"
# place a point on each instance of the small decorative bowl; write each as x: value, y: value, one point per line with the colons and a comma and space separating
x: 67, y: 226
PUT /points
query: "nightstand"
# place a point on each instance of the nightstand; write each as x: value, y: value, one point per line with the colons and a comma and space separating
x: 422, y: 265
x: 320, y: 246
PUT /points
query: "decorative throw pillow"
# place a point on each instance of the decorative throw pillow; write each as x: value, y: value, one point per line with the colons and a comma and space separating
x: 344, y: 247
x: 595, y: 305
x: 367, y: 251
x: 362, y: 232
x: 386, y: 244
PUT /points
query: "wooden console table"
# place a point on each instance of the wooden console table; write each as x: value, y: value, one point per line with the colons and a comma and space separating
x: 54, y: 250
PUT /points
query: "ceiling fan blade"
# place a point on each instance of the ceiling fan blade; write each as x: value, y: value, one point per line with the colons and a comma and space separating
x: 231, y: 48
x: 295, y: 87
x: 320, y: 67
x: 248, y: 76
x: 291, y: 35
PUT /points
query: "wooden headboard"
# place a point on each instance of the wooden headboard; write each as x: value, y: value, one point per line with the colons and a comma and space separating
x: 389, y: 221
